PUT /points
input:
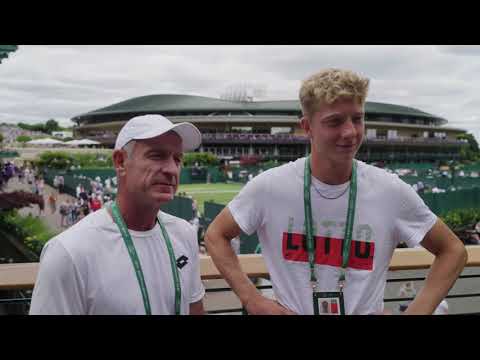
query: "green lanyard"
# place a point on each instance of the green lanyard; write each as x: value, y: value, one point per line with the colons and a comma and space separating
x: 309, y: 219
x: 136, y: 261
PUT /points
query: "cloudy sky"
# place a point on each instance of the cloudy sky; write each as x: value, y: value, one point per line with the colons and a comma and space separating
x: 38, y: 83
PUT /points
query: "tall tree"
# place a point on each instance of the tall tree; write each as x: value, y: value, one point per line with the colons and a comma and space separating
x: 51, y: 125
x: 472, y: 152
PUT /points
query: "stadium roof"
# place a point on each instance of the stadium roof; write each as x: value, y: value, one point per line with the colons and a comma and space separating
x: 171, y: 104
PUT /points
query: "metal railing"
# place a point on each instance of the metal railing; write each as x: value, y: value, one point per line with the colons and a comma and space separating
x: 20, y: 278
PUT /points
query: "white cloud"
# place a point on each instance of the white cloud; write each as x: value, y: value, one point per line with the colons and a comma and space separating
x: 42, y: 82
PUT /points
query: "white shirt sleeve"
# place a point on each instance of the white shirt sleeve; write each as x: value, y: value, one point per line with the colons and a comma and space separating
x: 58, y: 288
x: 414, y: 218
x: 247, y: 208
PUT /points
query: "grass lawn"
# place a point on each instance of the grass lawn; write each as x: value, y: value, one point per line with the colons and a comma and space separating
x: 220, y: 193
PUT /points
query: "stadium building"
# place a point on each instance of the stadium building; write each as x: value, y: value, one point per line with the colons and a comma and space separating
x: 271, y: 129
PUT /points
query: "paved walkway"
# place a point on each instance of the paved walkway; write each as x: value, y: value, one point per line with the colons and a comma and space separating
x: 52, y: 220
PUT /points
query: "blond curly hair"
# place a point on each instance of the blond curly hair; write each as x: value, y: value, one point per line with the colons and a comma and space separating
x: 329, y: 85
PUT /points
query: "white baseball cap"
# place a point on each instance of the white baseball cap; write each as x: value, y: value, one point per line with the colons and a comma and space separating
x: 150, y: 126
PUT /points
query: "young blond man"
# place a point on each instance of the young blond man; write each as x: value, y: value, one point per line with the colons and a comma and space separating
x: 328, y: 224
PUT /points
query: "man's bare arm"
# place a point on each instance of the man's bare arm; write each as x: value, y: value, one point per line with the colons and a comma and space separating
x: 217, y: 239
x: 196, y: 308
x: 450, y: 259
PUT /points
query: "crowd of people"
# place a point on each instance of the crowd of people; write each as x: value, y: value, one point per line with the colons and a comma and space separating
x: 71, y: 210
x: 8, y: 170
x: 85, y: 202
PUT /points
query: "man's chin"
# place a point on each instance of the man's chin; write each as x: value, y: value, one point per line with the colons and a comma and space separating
x: 163, y: 198
x: 345, y: 157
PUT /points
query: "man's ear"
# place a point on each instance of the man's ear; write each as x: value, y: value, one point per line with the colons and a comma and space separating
x: 305, y: 124
x: 119, y: 158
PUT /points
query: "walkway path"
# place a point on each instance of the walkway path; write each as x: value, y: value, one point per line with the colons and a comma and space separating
x: 52, y: 220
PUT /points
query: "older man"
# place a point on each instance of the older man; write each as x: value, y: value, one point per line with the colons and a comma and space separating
x: 129, y: 257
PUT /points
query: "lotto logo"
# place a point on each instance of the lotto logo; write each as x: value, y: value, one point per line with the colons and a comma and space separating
x: 328, y: 251
x: 182, y: 261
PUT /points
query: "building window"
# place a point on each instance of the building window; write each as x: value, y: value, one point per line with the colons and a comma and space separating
x: 241, y: 129
x: 371, y: 133
x: 280, y: 130
x: 392, y: 134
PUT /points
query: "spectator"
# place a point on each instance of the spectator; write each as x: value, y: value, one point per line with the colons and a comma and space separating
x: 52, y: 202
x: 40, y: 186
x: 83, y: 194
x: 61, y: 184
x: 34, y: 185
x: 64, y: 213
x: 95, y: 204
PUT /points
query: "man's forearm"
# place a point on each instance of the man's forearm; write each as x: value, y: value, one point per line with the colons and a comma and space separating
x: 227, y: 263
x: 443, y: 273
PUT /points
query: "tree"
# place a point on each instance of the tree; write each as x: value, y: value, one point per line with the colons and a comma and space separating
x: 1, y: 140
x: 472, y: 142
x: 51, y: 125
x: 33, y: 127
x: 472, y: 152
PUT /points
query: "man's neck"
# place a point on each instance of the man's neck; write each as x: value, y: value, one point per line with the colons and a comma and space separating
x: 329, y: 172
x: 138, y: 217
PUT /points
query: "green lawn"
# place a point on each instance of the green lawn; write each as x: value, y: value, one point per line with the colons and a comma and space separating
x: 220, y: 193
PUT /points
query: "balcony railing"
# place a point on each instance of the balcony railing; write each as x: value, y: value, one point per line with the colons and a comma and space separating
x: 240, y: 138
x: 418, y: 141
x: 20, y: 278
x: 280, y: 139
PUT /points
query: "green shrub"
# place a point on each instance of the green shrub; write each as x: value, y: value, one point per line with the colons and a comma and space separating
x: 61, y: 160
x: 31, y: 230
x: 203, y: 159
x: 23, y: 138
x: 55, y: 160
x: 461, y: 218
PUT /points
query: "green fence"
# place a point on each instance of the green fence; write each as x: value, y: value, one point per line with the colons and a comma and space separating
x: 210, y: 212
x: 201, y: 175
x: 471, y: 167
x: 443, y: 182
x: 70, y: 181
x: 103, y: 174
x: 9, y: 154
x: 248, y: 244
x: 180, y: 207
x: 441, y: 203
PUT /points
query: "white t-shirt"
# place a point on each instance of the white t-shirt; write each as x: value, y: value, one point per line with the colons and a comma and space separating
x: 87, y: 269
x: 387, y: 211
x: 442, y: 308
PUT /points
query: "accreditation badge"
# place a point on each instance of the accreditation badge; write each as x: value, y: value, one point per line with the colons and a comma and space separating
x: 328, y: 303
